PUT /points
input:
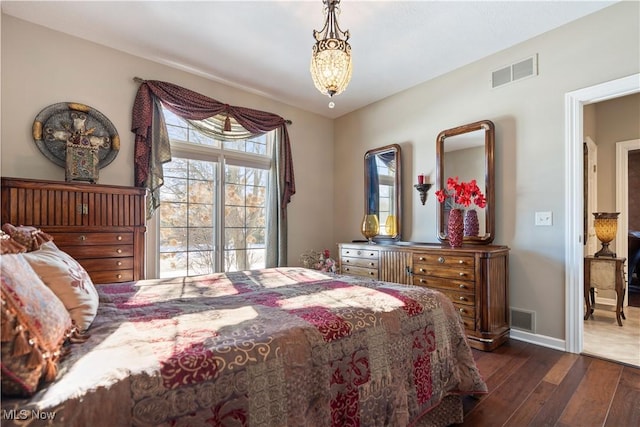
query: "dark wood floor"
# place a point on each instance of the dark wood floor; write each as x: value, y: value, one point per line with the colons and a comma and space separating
x: 536, y: 386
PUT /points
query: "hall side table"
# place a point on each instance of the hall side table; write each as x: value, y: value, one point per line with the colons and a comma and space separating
x: 604, y: 273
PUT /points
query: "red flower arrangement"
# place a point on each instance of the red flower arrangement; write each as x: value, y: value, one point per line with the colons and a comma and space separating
x: 461, y: 194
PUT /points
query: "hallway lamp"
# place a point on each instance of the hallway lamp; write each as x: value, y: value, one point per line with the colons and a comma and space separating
x: 606, y: 225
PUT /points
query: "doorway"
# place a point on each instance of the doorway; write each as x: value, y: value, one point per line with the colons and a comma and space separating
x: 574, y: 188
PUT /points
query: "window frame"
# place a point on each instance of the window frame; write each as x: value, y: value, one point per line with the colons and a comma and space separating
x: 224, y: 157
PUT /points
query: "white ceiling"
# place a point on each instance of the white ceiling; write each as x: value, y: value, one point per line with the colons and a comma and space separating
x: 265, y: 46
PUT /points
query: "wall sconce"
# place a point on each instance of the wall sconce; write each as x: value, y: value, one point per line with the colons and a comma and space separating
x: 423, y: 188
x: 606, y: 225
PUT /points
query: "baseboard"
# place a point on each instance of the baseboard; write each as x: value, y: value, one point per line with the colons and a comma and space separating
x: 541, y: 340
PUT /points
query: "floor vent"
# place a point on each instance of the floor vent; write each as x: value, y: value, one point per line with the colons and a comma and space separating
x: 523, y: 319
x: 517, y: 71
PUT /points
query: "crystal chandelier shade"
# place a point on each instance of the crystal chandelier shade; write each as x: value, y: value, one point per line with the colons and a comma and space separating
x: 331, y: 55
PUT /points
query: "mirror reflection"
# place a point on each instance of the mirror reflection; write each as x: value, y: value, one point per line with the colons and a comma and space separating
x: 464, y: 158
x: 382, y: 170
x: 466, y: 152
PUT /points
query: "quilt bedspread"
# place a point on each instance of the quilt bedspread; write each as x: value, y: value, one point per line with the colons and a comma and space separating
x: 272, y: 347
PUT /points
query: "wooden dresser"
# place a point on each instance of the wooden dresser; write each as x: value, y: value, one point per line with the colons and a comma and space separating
x: 102, y: 226
x: 476, y: 278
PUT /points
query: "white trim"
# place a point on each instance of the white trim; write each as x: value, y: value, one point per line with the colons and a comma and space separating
x: 574, y: 252
x: 540, y: 340
x: 622, y: 202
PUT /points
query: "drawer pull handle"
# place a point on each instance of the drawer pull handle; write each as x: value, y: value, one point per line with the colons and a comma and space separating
x: 423, y: 281
x: 462, y: 299
x: 462, y: 274
x: 347, y: 252
x: 371, y: 264
x: 348, y: 261
x: 460, y: 262
x: 422, y: 270
x: 119, y: 263
x: 119, y: 276
x: 441, y: 260
x: 461, y: 286
x: 359, y: 252
x: 83, y: 237
x: 421, y: 258
x: 371, y: 273
x: 462, y: 310
x: 372, y: 254
x: 119, y: 237
x: 119, y: 250
x: 346, y: 269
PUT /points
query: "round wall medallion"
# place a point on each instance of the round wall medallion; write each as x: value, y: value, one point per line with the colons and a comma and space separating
x: 71, y: 123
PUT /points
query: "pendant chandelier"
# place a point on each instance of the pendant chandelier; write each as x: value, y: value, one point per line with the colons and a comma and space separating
x: 331, y: 57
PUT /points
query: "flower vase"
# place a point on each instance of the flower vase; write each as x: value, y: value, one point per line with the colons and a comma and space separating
x: 471, y: 224
x: 455, y: 228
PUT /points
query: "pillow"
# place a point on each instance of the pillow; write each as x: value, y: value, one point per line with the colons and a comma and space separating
x: 9, y: 246
x: 68, y: 280
x: 29, y: 237
x: 35, y: 325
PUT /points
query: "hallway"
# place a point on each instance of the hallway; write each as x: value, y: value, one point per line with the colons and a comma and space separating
x: 604, y: 338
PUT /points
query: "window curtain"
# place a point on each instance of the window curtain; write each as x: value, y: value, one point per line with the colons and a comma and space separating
x: 152, y: 148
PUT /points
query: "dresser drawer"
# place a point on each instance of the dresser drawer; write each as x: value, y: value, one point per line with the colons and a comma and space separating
x: 359, y: 253
x: 73, y: 239
x: 440, y: 283
x: 114, y: 276
x: 99, y: 264
x: 444, y: 259
x: 360, y: 262
x: 98, y: 251
x: 360, y: 271
x: 465, y: 310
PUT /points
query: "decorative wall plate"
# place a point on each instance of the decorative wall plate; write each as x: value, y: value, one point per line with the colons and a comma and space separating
x: 66, y: 122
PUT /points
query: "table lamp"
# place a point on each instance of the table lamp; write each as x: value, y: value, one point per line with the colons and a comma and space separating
x: 606, y: 225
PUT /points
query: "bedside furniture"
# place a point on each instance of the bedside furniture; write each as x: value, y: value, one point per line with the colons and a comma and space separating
x: 102, y: 226
x: 474, y: 277
x: 604, y: 273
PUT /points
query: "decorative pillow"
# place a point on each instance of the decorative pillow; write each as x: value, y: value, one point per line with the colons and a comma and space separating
x: 68, y: 280
x: 9, y: 246
x: 35, y: 325
x: 29, y: 237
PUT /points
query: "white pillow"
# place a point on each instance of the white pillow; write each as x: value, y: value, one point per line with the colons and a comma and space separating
x: 68, y: 280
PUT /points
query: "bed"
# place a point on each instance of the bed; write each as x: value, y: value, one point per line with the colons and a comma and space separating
x: 271, y: 347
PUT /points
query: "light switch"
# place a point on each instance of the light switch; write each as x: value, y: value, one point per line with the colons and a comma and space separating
x: 544, y: 218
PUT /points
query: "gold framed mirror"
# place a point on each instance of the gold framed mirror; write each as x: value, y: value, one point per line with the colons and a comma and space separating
x: 383, y: 189
x: 466, y: 152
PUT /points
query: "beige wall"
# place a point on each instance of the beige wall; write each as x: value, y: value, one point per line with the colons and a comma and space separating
x: 41, y: 67
x: 530, y: 136
x: 616, y: 120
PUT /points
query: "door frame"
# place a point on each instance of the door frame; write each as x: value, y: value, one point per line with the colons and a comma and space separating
x: 574, y: 204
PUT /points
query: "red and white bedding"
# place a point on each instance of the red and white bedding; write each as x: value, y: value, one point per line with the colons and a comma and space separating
x: 273, y: 347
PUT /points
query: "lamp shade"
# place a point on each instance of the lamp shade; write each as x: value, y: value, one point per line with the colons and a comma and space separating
x: 606, y: 227
x: 331, y: 55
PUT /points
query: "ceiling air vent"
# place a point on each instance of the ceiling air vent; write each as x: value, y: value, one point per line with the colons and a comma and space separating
x: 517, y: 71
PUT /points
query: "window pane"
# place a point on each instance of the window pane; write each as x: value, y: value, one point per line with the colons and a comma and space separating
x: 173, y: 264
x: 201, y: 239
x: 234, y: 195
x: 238, y: 145
x: 173, y: 214
x: 176, y: 168
x: 234, y: 238
x: 173, y: 239
x: 201, y: 263
x: 235, y: 175
x: 173, y: 190
x: 202, y: 170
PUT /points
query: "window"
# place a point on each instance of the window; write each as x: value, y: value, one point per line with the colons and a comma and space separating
x: 212, y: 215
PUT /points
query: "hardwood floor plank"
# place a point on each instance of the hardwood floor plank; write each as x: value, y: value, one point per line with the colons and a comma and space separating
x: 590, y: 403
x: 625, y: 408
x: 533, y: 386
x: 532, y: 405
x: 560, y: 369
x: 500, y: 404
x: 553, y: 408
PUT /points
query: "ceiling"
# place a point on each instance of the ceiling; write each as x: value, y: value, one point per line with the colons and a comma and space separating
x: 264, y: 47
